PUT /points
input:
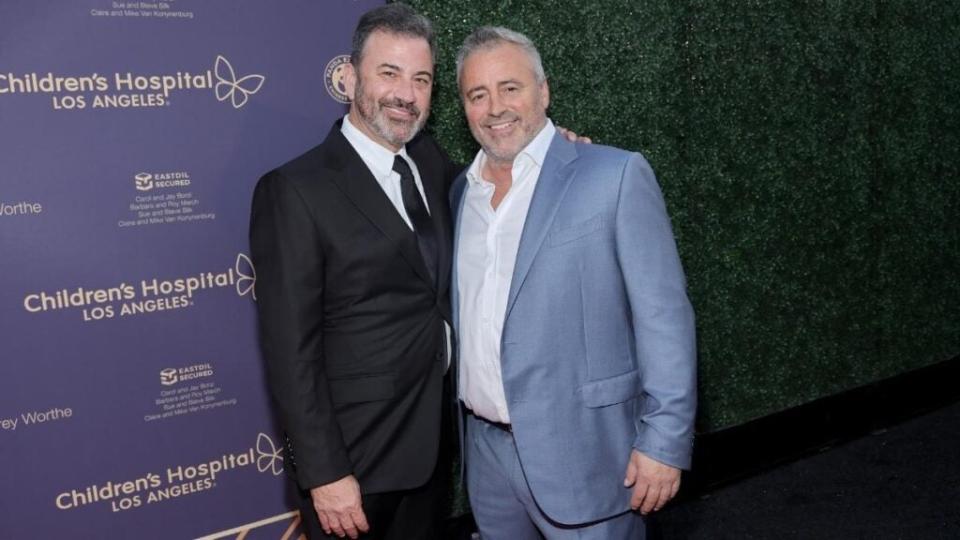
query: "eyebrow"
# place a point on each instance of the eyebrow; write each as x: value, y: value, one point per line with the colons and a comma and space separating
x: 397, y: 68
x: 475, y: 89
x: 499, y: 84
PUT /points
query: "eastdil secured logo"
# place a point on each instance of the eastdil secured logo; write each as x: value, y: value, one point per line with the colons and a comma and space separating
x: 168, y: 376
x: 171, y: 376
x: 333, y: 78
x: 143, y: 181
x: 232, y: 88
x: 129, y: 89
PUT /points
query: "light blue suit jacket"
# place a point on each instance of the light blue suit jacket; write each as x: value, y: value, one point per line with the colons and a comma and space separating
x: 598, y: 351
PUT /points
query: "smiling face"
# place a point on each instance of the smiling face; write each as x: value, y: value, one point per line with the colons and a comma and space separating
x: 390, y: 89
x: 505, y: 105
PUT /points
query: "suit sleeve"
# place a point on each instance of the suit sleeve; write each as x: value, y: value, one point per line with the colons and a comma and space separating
x: 663, y: 320
x: 289, y: 263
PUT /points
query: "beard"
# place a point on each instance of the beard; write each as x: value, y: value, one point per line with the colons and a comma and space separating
x: 396, y: 132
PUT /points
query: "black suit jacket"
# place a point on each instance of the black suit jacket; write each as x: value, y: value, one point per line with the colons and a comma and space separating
x: 351, y: 326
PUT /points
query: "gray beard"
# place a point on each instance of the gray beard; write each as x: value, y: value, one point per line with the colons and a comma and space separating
x: 379, y: 123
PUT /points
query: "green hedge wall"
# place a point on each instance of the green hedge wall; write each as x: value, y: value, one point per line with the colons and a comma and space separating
x: 809, y: 155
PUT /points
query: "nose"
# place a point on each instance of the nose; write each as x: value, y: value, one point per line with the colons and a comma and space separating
x: 496, y: 105
x: 404, y: 90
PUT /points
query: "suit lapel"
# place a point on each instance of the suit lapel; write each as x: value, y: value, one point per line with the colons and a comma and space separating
x: 555, y: 177
x: 358, y: 184
x: 457, y: 193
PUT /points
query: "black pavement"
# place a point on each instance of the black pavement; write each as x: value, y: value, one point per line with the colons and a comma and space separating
x: 902, y: 482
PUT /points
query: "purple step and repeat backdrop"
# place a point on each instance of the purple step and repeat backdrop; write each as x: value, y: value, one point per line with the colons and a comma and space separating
x: 132, y: 401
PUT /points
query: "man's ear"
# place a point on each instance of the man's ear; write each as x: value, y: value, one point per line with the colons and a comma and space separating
x: 545, y: 94
x: 349, y: 80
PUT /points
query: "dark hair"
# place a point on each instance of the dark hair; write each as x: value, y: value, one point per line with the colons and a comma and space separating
x: 395, y: 19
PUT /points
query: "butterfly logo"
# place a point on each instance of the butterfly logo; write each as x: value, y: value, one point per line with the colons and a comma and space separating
x: 268, y: 456
x: 247, y: 280
x: 236, y: 90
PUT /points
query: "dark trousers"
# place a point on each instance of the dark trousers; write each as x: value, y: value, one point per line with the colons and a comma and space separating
x: 413, y: 514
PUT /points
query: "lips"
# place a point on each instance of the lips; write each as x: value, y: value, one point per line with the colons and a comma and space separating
x: 399, y: 113
x: 400, y: 110
x: 501, y: 126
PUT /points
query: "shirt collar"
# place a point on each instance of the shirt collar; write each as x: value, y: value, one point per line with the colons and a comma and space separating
x: 535, y: 151
x: 378, y: 158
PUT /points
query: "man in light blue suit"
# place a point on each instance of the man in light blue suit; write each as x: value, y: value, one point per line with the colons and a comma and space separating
x: 577, y: 364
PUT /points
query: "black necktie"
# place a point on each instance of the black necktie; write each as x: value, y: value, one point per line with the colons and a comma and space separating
x: 417, y: 211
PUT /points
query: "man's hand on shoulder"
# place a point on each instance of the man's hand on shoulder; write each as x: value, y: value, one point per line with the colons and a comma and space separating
x: 573, y: 137
x: 339, y: 509
x: 654, y: 483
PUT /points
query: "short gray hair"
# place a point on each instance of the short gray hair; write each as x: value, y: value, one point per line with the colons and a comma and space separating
x: 488, y: 37
x: 399, y: 19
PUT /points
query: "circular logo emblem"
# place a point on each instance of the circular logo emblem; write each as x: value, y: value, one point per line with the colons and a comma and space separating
x: 333, y: 78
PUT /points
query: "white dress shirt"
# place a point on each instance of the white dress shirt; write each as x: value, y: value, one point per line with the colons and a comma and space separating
x: 487, y: 252
x: 379, y: 160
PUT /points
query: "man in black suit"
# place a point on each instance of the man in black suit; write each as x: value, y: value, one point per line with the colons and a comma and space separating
x: 351, y: 242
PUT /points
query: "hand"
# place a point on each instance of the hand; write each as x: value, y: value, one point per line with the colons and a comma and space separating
x: 339, y: 509
x: 654, y: 483
x: 573, y: 137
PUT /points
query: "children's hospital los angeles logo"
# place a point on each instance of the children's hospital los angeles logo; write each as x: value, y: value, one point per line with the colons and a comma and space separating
x: 173, y: 481
x: 146, y: 295
x: 129, y: 89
